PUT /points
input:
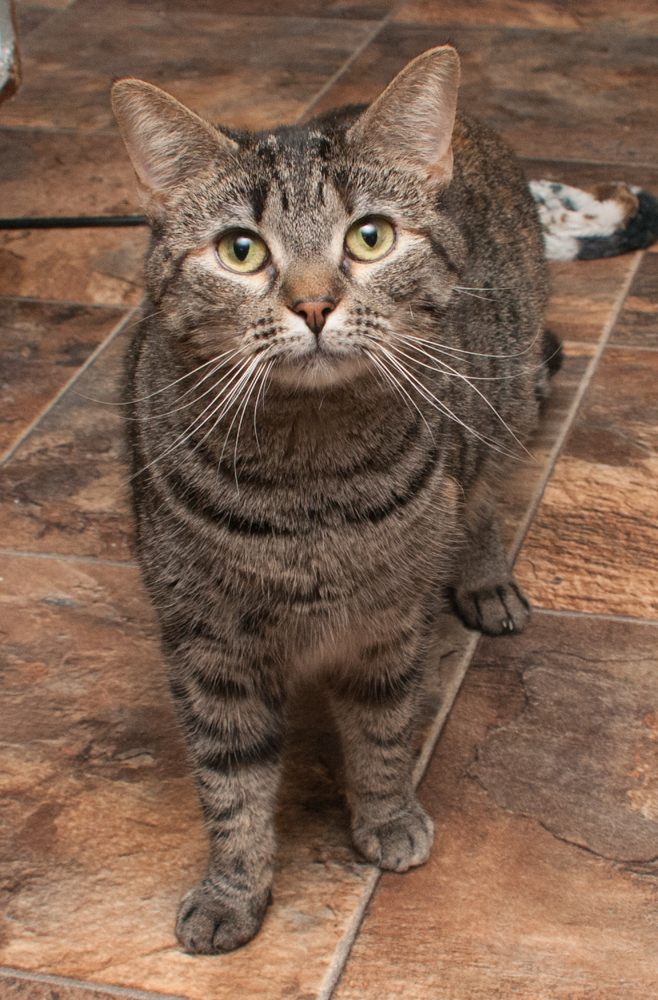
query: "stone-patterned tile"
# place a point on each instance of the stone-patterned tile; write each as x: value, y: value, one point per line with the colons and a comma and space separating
x: 584, y: 295
x: 46, y: 173
x: 504, y: 907
x: 18, y: 987
x: 481, y: 13
x: 101, y: 824
x: 242, y: 71
x: 597, y: 15
x: 41, y: 348
x: 15, y: 985
x: 95, y: 266
x: 581, y: 757
x: 569, y: 94
x: 29, y: 17
x: 64, y: 489
x: 593, y: 545
x: 637, y: 325
x: 53, y: 5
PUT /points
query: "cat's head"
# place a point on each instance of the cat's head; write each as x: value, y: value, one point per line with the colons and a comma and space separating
x: 304, y: 247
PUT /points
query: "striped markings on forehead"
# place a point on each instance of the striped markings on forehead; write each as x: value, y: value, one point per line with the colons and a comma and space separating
x: 296, y: 165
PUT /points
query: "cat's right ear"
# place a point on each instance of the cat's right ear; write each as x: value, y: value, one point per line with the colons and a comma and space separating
x: 167, y: 143
x: 411, y: 123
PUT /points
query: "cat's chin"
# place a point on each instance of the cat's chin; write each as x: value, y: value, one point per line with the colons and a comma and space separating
x: 318, y: 371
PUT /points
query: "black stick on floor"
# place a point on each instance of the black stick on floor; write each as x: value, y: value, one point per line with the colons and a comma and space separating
x: 75, y: 222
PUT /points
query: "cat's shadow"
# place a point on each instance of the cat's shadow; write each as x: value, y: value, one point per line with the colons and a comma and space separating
x: 312, y: 814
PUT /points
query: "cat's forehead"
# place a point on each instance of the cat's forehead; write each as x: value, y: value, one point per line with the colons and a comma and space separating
x: 296, y: 169
x: 293, y: 185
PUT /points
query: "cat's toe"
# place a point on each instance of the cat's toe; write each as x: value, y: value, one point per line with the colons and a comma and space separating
x: 501, y: 610
x: 401, y: 843
x: 208, y: 924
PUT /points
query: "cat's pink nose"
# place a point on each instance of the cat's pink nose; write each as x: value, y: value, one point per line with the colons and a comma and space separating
x: 315, y: 312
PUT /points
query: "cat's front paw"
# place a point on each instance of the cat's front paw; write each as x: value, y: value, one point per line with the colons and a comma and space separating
x: 402, y: 842
x: 207, y: 923
x: 501, y: 610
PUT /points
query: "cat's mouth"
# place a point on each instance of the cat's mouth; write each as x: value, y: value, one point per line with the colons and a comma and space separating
x: 319, y: 366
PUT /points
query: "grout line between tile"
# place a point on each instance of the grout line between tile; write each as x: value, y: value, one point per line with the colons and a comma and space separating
x: 87, y: 560
x: 83, y: 368
x: 55, y: 130
x: 629, y: 347
x: 589, y: 345
x: 598, y: 616
x: 551, y: 462
x: 342, y: 953
x: 449, y: 696
x: 587, y: 163
x: 119, y: 991
x: 370, y: 37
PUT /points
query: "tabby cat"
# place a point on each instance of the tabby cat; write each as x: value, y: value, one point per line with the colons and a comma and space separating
x: 342, y: 344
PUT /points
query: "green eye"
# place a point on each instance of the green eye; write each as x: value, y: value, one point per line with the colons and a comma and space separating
x: 242, y: 251
x: 369, y: 239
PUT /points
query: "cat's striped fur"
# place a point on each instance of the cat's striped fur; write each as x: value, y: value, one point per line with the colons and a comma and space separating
x: 304, y: 500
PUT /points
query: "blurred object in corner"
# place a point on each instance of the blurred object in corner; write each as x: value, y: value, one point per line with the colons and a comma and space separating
x: 9, y: 62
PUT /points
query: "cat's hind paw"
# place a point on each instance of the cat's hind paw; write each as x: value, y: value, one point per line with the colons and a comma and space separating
x: 501, y: 610
x: 207, y: 923
x: 403, y: 842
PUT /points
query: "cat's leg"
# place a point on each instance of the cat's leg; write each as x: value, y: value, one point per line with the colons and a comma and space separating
x: 233, y: 733
x: 375, y: 706
x: 485, y: 594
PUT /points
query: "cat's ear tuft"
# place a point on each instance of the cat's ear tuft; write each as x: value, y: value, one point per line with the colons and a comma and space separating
x: 411, y: 123
x: 168, y: 144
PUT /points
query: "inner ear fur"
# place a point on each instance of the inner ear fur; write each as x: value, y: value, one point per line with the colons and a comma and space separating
x: 411, y: 122
x: 167, y: 143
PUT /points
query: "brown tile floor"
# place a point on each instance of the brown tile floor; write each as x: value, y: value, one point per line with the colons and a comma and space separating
x: 544, y: 783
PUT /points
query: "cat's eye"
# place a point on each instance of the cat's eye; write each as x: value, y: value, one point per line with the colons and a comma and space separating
x: 242, y: 251
x: 369, y: 239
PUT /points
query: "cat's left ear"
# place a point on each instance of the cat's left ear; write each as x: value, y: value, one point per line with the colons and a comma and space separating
x: 411, y: 123
x: 168, y: 144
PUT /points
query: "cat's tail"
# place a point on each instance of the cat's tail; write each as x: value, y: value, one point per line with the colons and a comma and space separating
x: 552, y: 356
x: 552, y: 351
x: 583, y: 225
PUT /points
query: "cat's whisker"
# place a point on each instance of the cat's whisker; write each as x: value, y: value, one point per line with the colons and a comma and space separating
x: 258, y: 379
x: 476, y: 288
x: 452, y: 371
x: 261, y: 392
x: 191, y: 402
x: 477, y: 354
x: 227, y: 402
x: 441, y: 406
x: 195, y: 426
x: 229, y: 375
x: 473, y: 295
x: 142, y: 399
x: 219, y: 361
x: 412, y: 343
x: 398, y: 387
x: 239, y: 390
x: 227, y: 399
